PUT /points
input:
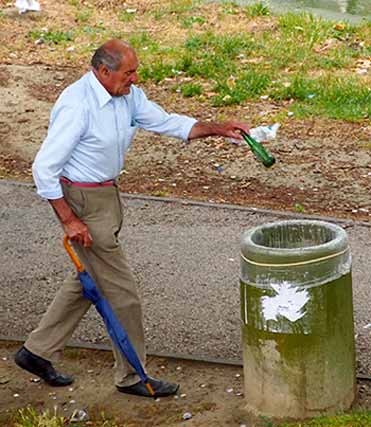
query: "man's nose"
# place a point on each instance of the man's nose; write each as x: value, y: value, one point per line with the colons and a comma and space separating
x: 134, y: 77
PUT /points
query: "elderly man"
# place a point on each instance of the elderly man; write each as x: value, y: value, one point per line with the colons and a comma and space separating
x: 91, y: 127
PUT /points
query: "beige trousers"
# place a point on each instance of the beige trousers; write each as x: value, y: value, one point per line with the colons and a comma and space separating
x: 100, y: 209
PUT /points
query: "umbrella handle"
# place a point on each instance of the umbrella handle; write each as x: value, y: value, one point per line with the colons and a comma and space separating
x: 71, y: 253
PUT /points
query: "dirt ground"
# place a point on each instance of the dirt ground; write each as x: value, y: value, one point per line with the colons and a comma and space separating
x: 211, y: 393
x: 323, y: 166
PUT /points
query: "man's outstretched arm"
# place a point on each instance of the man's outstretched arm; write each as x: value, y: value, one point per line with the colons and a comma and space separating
x: 226, y: 129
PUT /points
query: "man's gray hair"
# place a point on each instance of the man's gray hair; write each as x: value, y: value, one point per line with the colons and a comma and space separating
x: 110, y: 58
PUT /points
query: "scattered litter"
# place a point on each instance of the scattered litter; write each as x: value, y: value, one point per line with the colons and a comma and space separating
x: 79, y: 415
x: 187, y: 416
x: 130, y: 10
x: 311, y: 95
x: 219, y: 168
x: 183, y: 395
x: 231, y: 259
x: 157, y: 399
x: 70, y: 49
x: 205, y: 187
x: 176, y: 397
x: 290, y: 113
x: 264, y: 97
x: 5, y: 358
x: 265, y: 133
x: 24, y: 6
x: 237, y: 375
x: 35, y: 380
x: 72, y: 402
x: 203, y: 385
x: 90, y: 371
x: 15, y: 395
x: 363, y: 210
x: 162, y: 367
x: 239, y: 393
x: 368, y: 326
x: 233, y: 177
x: 70, y: 389
x: 243, y: 425
x: 178, y: 368
x: 354, y: 210
x: 229, y: 390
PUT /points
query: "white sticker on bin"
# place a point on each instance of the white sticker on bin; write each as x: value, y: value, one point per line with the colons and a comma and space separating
x: 289, y: 302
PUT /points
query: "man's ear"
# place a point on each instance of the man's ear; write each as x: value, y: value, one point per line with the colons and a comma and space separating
x: 103, y: 71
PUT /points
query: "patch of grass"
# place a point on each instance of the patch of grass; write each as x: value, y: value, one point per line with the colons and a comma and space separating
x: 125, y: 16
x: 177, y: 8
x: 55, y: 37
x: 249, y: 85
x: 360, y: 419
x: 189, y: 21
x: 230, y: 7
x: 157, y: 71
x: 257, y: 9
x: 299, y: 208
x: 143, y: 41
x: 84, y: 15
x: 344, y: 98
x: 191, y: 89
x: 29, y: 417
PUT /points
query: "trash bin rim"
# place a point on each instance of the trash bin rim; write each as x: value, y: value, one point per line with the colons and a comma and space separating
x: 339, y: 242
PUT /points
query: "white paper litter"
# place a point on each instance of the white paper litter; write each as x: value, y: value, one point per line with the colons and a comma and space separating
x: 261, y: 133
x: 25, y: 5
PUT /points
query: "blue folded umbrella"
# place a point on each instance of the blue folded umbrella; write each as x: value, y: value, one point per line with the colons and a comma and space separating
x: 114, y: 328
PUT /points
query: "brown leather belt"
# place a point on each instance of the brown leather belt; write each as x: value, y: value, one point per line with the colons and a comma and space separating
x: 67, y: 181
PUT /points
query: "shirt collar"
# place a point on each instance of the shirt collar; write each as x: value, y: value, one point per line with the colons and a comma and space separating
x: 101, y: 93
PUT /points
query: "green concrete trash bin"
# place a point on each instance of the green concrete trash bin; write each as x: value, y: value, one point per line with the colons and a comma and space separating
x: 297, y: 319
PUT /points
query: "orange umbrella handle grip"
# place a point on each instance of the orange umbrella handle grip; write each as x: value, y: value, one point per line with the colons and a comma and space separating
x: 71, y: 253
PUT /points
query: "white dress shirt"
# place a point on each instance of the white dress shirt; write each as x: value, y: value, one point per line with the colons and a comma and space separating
x: 90, y: 132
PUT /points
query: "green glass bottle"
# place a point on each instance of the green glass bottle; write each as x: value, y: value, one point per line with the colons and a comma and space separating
x: 258, y: 149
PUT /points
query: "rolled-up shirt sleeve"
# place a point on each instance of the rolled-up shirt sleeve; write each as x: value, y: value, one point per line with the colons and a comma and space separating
x: 67, y: 125
x: 150, y: 116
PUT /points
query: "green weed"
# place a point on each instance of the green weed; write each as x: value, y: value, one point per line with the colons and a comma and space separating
x: 125, y: 16
x: 55, y: 37
x: 29, y: 417
x: 84, y: 15
x: 189, y: 21
x: 230, y: 7
x: 248, y: 85
x: 360, y: 419
x: 191, y: 89
x: 257, y: 9
x: 299, y: 208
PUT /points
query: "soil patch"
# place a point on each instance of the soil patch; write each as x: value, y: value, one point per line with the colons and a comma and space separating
x: 212, y: 393
x: 323, y: 166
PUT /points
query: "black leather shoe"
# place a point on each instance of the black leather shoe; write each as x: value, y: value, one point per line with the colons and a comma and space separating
x: 161, y: 388
x: 41, y: 367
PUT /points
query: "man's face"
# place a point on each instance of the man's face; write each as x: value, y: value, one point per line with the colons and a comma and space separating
x: 118, y: 82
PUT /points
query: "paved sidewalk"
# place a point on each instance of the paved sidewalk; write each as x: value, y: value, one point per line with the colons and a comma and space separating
x: 185, y: 257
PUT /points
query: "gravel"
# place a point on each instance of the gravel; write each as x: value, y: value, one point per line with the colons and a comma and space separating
x: 185, y: 258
